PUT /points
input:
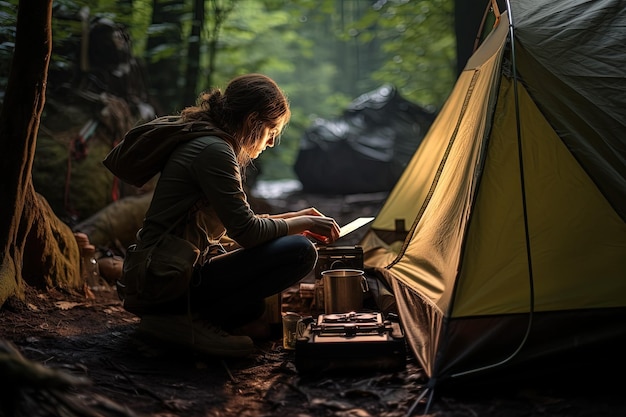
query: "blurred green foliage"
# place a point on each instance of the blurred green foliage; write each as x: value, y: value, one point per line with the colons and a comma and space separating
x: 324, y: 53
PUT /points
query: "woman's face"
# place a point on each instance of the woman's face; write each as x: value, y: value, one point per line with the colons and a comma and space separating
x: 269, y: 138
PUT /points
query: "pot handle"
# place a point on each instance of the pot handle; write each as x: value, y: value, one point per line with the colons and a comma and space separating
x: 364, y: 286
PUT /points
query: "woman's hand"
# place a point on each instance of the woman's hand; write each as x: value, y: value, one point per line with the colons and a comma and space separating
x: 322, y: 228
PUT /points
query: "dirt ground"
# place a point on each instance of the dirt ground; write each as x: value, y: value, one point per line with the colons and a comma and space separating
x: 67, y: 355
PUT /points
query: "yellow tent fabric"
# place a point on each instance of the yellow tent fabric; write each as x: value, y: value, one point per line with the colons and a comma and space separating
x: 577, y: 241
x: 513, y: 203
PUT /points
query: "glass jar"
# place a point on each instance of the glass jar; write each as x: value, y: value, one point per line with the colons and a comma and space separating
x: 89, y: 267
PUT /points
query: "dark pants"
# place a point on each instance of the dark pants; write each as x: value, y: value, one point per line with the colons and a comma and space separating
x: 231, y: 288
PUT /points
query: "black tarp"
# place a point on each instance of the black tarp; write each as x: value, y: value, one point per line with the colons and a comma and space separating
x: 366, y: 149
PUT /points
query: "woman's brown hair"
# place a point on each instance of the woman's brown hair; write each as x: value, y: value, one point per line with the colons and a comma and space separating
x: 249, y: 104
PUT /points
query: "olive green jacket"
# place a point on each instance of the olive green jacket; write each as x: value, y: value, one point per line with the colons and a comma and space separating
x: 201, y: 182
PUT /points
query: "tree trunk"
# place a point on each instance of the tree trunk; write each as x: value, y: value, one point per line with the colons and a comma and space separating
x: 38, y: 249
x: 165, y: 51
x: 219, y: 12
x: 193, y: 54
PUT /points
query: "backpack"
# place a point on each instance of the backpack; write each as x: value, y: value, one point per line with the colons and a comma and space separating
x: 146, y: 148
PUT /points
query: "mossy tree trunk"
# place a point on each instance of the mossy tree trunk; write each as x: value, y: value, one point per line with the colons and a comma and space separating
x: 37, y: 248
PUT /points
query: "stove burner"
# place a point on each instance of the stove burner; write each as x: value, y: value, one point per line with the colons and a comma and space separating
x: 351, y: 317
x: 349, y: 324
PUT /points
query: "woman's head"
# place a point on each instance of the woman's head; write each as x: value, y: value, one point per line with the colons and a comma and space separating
x: 252, y: 109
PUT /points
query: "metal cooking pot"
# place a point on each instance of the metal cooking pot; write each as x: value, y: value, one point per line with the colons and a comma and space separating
x: 343, y: 290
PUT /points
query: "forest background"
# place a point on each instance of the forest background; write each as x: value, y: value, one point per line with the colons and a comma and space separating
x: 87, y: 71
x: 323, y: 53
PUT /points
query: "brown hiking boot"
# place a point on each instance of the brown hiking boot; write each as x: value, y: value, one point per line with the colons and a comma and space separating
x: 196, y: 334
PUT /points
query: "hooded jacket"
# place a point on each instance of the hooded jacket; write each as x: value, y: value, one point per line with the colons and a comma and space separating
x: 201, y: 182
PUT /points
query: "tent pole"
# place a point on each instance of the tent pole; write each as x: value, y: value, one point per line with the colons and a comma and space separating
x: 524, y: 209
x: 420, y: 398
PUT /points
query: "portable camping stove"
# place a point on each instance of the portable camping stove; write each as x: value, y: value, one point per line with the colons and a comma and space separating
x: 351, y: 341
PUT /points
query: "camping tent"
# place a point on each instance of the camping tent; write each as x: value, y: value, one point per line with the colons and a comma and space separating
x: 504, y: 240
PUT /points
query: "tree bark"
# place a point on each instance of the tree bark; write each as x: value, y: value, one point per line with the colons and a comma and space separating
x: 165, y: 51
x: 37, y: 248
x: 192, y: 73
